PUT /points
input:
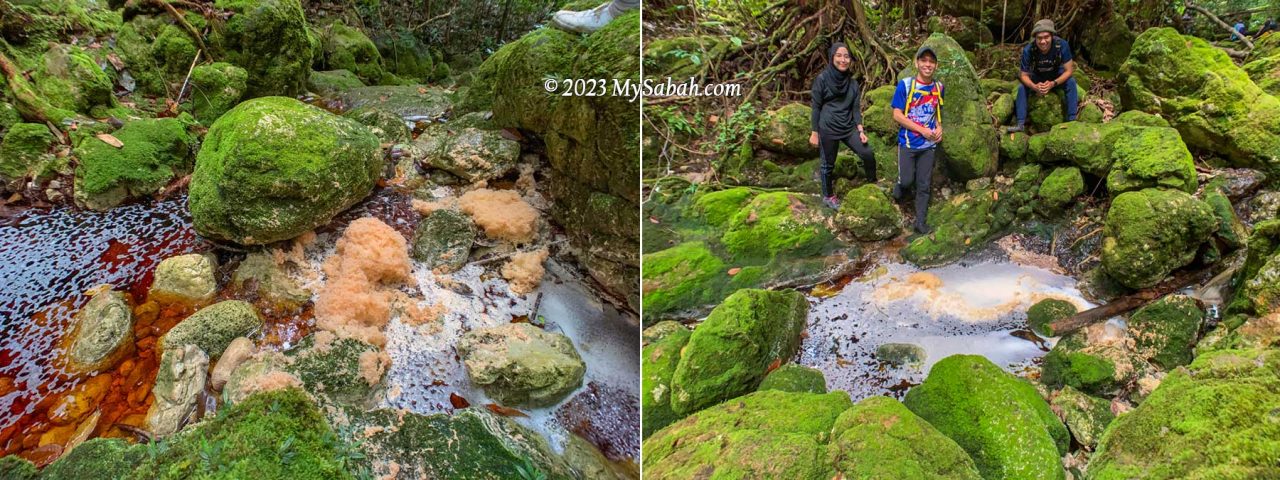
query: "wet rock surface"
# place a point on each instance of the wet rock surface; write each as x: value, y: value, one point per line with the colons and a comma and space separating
x: 520, y: 364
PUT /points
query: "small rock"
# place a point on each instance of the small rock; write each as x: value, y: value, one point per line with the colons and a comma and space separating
x: 258, y: 273
x: 795, y: 378
x: 519, y: 364
x: 214, y: 327
x: 444, y: 238
x: 236, y: 353
x: 899, y: 354
x: 185, y: 279
x: 1086, y: 417
x: 1047, y: 311
x: 469, y: 153
x: 102, y: 335
x: 1238, y: 183
x: 178, y: 386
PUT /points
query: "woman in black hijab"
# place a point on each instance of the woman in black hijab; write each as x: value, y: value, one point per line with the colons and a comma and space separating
x: 837, y: 119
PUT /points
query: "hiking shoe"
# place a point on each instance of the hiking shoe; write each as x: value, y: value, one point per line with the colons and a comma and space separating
x: 585, y: 21
x: 1015, y: 129
x: 831, y: 202
x: 923, y: 228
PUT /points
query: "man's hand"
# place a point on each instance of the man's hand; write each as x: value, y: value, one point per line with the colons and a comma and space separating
x: 813, y: 138
x: 1046, y: 87
x: 862, y: 136
x: 937, y: 135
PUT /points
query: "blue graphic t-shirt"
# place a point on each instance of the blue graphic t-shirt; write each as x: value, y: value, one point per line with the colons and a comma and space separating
x: 921, y: 103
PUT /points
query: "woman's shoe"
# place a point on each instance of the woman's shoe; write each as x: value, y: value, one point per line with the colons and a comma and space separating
x: 831, y: 202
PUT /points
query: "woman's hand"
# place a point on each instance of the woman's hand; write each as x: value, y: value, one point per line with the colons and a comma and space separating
x: 813, y: 138
x: 862, y: 136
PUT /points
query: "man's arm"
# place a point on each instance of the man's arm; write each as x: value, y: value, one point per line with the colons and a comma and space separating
x: 1067, y: 69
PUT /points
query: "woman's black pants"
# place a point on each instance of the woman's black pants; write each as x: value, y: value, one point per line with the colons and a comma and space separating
x: 828, y: 146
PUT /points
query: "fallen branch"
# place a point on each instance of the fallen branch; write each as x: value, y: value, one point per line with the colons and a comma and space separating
x: 1244, y: 38
x: 432, y: 19
x: 29, y: 104
x: 1126, y: 303
x: 177, y: 16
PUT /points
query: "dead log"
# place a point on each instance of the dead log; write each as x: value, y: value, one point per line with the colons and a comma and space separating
x: 1127, y: 303
x: 30, y: 106
x: 1215, y: 19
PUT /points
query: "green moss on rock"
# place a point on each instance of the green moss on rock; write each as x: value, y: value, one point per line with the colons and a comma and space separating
x: 786, y: 131
x: 658, y: 360
x: 680, y: 277
x: 332, y: 81
x: 766, y: 434
x: 1047, y: 311
x: 333, y: 370
x: 999, y: 419
x: 730, y: 352
x: 270, y: 40
x: 1151, y: 158
x: 273, y: 168
x: 795, y: 378
x: 1095, y: 367
x: 347, y: 48
x: 773, y: 224
x: 1256, y: 284
x: 869, y: 215
x: 881, y: 438
x: 215, y: 89
x: 154, y: 152
x: 1062, y: 186
x: 1165, y: 330
x: 1086, y: 417
x: 96, y: 458
x: 22, y: 152
x: 214, y: 327
x: 68, y: 78
x: 1213, y: 419
x: 1150, y: 233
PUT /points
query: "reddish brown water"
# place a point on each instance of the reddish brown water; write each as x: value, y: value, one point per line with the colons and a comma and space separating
x: 49, y: 259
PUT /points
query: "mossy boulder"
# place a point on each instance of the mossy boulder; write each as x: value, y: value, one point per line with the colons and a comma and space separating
x: 1046, y: 111
x: 1150, y: 233
x: 795, y: 378
x: 730, y: 352
x: 1151, y: 158
x: 1057, y: 191
x: 154, y: 153
x: 773, y: 224
x: 334, y: 370
x: 678, y: 278
x: 1231, y: 231
x: 1211, y: 419
x: 273, y: 168
x: 329, y: 82
x: 349, y: 49
x: 1106, y: 42
x: 98, y: 457
x: 1201, y: 92
x: 520, y: 364
x: 877, y: 117
x: 900, y: 354
x: 185, y: 278
x: 1047, y: 311
x: 471, y: 154
x: 250, y: 439
x: 658, y: 361
x: 786, y: 131
x: 212, y: 328
x: 1096, y: 367
x: 471, y: 443
x: 869, y: 215
x: 443, y: 238
x: 259, y: 275
x: 1165, y: 330
x: 427, y: 103
x: 881, y: 438
x: 68, y: 78
x: 970, y: 148
x: 968, y: 220
x: 18, y: 468
x: 216, y: 88
x: 766, y: 434
x: 1256, y: 284
x: 24, y: 153
x: 389, y: 127
x: 1086, y: 417
x: 101, y: 335
x: 271, y: 41
x: 999, y: 419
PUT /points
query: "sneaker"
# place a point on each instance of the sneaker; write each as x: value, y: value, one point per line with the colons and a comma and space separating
x: 1016, y: 128
x: 585, y: 21
x: 832, y: 202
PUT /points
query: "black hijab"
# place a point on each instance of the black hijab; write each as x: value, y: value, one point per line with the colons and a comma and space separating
x: 837, y: 82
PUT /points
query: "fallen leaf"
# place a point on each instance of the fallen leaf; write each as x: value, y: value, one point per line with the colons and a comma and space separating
x: 115, y: 61
x: 110, y: 139
x: 967, y: 241
x: 505, y: 411
x: 654, y: 220
x: 714, y: 119
x: 512, y: 134
x: 752, y: 217
x: 777, y: 141
x: 422, y: 90
x: 458, y: 401
x: 734, y: 271
x: 777, y: 362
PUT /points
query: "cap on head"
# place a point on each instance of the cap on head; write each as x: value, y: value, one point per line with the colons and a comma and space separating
x: 926, y: 49
x: 1043, y: 25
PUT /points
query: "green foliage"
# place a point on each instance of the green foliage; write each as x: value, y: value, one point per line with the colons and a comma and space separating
x: 739, y: 128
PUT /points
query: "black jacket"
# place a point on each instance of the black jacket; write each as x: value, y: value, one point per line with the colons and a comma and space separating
x: 834, y: 115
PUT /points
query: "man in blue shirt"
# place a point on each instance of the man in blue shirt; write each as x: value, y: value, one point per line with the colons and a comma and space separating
x: 917, y: 107
x: 1046, y: 66
x: 1237, y: 31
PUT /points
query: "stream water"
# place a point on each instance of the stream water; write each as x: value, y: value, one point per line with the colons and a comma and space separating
x: 974, y: 307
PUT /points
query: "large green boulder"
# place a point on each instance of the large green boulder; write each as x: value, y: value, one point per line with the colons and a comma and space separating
x: 349, y: 49
x: 1211, y: 101
x: 772, y: 224
x: 1131, y: 156
x: 1001, y: 420
x: 658, y: 361
x: 330, y: 82
x: 1106, y: 42
x: 1256, y: 285
x: 678, y: 278
x: 273, y: 168
x: 1150, y: 233
x: 1059, y: 188
x: 730, y: 352
x: 1165, y: 330
x: 1089, y: 364
x: 767, y: 434
x: 881, y: 438
x: 869, y: 215
x: 795, y: 378
x: 154, y: 153
x: 1046, y: 111
x: 271, y: 41
x: 968, y: 220
x: 786, y: 131
x: 98, y: 457
x: 970, y: 146
x: 1211, y: 419
x: 337, y: 371
x: 877, y: 117
x: 471, y: 154
x: 68, y: 78
x: 1047, y: 311
x: 1086, y: 417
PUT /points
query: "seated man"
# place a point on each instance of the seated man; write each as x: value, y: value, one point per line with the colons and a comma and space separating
x: 1046, y: 65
